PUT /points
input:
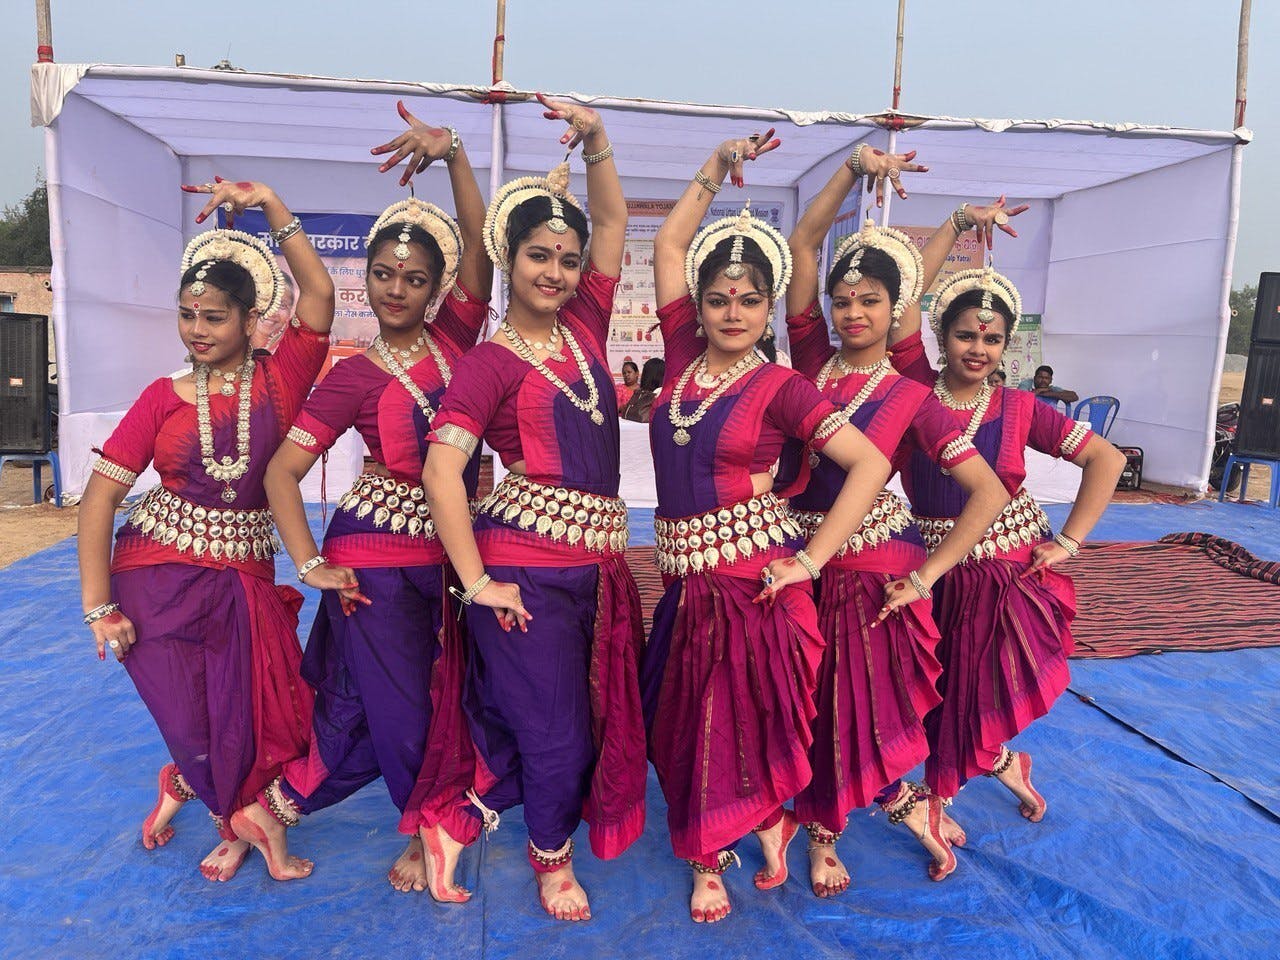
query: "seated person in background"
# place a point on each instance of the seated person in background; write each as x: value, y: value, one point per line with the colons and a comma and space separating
x: 1043, y: 387
x: 997, y: 378
x: 637, y: 408
x: 630, y: 374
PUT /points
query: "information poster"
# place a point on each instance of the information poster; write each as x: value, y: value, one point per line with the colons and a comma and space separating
x: 339, y: 238
x: 633, y: 328
x: 1024, y: 353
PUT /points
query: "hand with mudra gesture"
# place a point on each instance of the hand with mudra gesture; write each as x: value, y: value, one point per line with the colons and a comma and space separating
x: 422, y: 143
x: 879, y: 168
x: 734, y: 153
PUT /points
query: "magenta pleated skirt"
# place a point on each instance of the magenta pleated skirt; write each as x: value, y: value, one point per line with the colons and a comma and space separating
x: 876, y: 684
x: 728, y: 689
x: 1005, y: 644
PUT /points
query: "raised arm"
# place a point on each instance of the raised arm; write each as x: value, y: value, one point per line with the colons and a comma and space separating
x: 315, y: 287
x: 984, y: 221
x: 423, y: 145
x: 682, y: 223
x: 605, y: 201
x: 812, y: 228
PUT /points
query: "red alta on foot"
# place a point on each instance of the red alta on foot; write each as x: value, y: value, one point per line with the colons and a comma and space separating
x: 767, y: 881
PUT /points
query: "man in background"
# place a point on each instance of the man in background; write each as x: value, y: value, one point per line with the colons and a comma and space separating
x: 1042, y: 386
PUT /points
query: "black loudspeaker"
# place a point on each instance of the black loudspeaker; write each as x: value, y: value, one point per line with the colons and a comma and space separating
x: 1259, y: 432
x: 24, y: 375
x: 1266, y: 311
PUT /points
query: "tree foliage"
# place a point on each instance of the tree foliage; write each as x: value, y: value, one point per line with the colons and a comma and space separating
x: 24, y: 231
x: 1242, y: 304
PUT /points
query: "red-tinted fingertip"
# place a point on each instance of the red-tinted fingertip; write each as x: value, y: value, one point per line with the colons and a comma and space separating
x: 923, y: 169
x: 102, y: 654
x: 217, y: 179
x: 201, y: 218
x: 402, y: 109
x: 1012, y: 232
x: 188, y: 188
x: 910, y: 155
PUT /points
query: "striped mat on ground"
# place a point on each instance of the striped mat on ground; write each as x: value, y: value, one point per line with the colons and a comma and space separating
x: 1184, y: 592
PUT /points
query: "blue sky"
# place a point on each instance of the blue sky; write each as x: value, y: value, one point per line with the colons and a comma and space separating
x: 1146, y: 61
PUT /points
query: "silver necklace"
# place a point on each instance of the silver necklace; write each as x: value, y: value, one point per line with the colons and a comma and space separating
x: 402, y: 374
x: 591, y: 404
x: 877, y: 372
x: 978, y: 404
x: 226, y: 470
x: 725, y: 380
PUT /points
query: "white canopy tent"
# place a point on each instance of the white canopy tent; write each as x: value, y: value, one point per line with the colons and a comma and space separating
x: 1126, y: 251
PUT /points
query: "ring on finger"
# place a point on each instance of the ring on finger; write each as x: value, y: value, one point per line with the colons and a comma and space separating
x: 894, y: 173
x: 733, y: 156
x: 1001, y: 218
x: 228, y: 206
x: 114, y: 644
x: 207, y: 186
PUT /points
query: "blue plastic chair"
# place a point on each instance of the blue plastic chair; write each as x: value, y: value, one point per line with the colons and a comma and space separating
x: 36, y: 459
x: 1244, y: 463
x: 1101, y: 413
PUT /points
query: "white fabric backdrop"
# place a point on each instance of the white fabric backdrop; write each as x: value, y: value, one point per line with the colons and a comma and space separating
x: 1126, y: 240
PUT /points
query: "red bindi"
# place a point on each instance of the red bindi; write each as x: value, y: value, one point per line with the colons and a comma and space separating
x: 195, y: 306
x: 982, y: 328
x: 733, y: 291
x: 399, y: 266
x: 558, y: 247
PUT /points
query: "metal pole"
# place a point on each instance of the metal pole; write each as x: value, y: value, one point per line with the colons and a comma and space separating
x: 1242, y: 61
x: 44, y: 33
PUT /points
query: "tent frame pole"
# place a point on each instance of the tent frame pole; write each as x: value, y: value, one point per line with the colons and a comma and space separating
x: 44, y: 32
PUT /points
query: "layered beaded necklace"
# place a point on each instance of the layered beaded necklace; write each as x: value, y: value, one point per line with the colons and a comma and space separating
x: 226, y: 469
x: 876, y: 373
x: 978, y: 404
x: 720, y: 384
x: 406, y: 352
x: 591, y: 404
x: 388, y: 355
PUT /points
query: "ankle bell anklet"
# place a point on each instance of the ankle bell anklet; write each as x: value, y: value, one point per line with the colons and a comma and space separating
x: 726, y: 859
x: 543, y: 862
x: 900, y: 807
x: 178, y: 790
x: 1002, y: 764
x: 278, y: 805
x: 821, y: 836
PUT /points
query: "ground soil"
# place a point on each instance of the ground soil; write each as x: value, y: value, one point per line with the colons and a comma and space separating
x: 26, y: 529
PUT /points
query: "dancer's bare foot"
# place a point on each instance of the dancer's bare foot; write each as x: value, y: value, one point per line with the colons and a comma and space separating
x: 224, y: 860
x: 410, y: 871
x: 562, y: 896
x: 1016, y: 775
x: 921, y: 811
x: 171, y: 793
x: 828, y: 876
x: 710, y: 899
x: 267, y: 834
x: 952, y: 831
x: 442, y: 861
x: 773, y: 844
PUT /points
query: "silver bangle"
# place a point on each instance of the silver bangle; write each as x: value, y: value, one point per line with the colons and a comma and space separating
x: 455, y: 142
x: 287, y: 231
x: 309, y: 566
x: 601, y: 157
x: 100, y: 612
x: 703, y: 180
x: 1066, y: 543
x: 806, y: 561
x: 925, y: 592
x: 854, y: 162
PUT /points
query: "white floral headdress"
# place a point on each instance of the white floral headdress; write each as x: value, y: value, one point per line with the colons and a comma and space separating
x: 898, y: 246
x: 436, y: 223
x: 244, y: 250
x: 991, y: 284
x: 744, y: 226
x: 510, y: 195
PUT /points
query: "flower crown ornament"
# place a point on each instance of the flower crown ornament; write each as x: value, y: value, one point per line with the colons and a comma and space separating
x: 898, y: 246
x: 741, y: 228
x: 555, y: 186
x: 244, y: 250
x: 437, y: 224
x: 991, y: 284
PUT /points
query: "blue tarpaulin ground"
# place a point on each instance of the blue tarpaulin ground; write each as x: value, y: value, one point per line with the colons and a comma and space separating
x: 1145, y: 851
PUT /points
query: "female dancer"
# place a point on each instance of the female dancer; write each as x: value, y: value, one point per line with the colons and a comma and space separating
x: 879, y: 672
x: 554, y: 712
x: 728, y: 674
x: 381, y: 625
x: 1005, y: 612
x: 186, y: 601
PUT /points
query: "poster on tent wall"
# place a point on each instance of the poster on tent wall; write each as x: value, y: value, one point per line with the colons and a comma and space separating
x: 339, y: 238
x: 1023, y: 353
x: 633, y: 328
x: 966, y: 254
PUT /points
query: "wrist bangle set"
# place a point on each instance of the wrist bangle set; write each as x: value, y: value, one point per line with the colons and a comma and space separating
x: 287, y: 231
x: 806, y: 561
x: 854, y: 162
x: 465, y: 597
x: 960, y: 220
x: 454, y: 143
x: 601, y: 157
x: 1068, y: 544
x: 100, y: 612
x: 703, y: 180
x: 925, y: 592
